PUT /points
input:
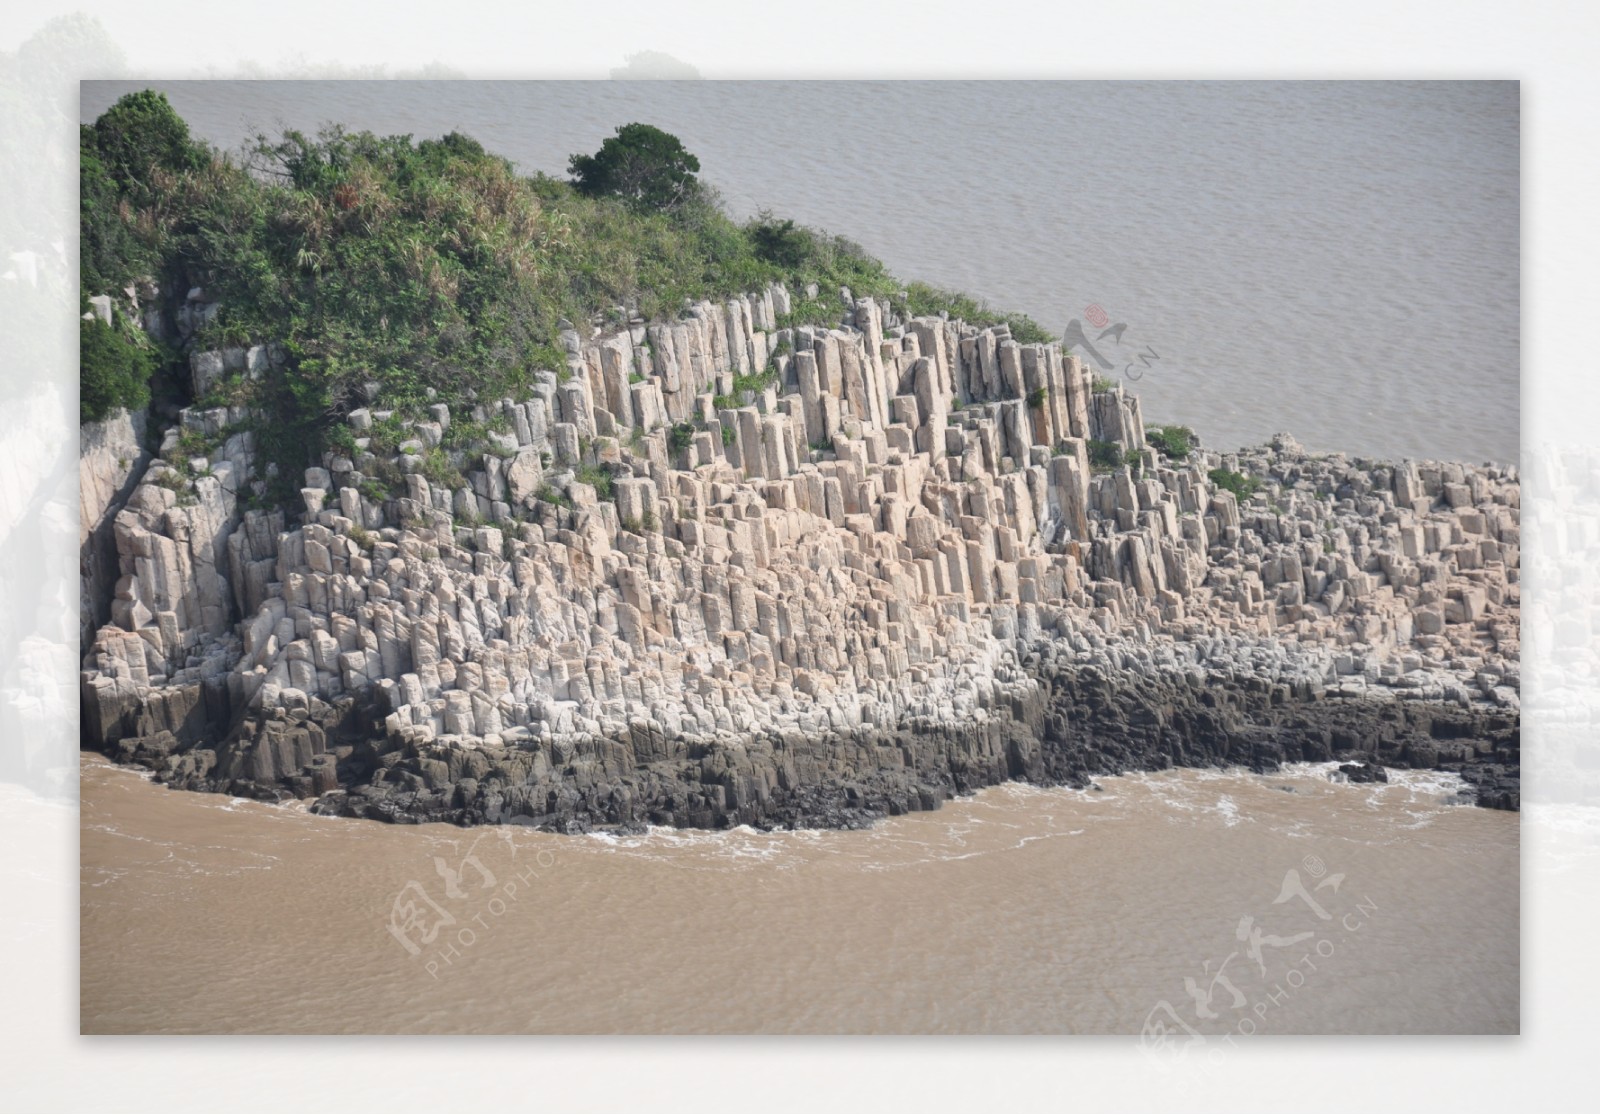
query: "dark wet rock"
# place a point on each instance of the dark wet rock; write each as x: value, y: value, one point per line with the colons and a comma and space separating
x: 1070, y: 723
x: 1363, y: 772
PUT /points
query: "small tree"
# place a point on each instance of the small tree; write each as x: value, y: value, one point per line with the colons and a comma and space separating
x: 643, y: 165
x: 140, y: 131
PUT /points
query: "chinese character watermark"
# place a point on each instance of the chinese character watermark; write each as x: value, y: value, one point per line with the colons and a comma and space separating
x: 1277, y: 962
x: 468, y: 899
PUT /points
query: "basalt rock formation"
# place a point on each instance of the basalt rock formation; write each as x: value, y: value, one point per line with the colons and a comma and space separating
x: 719, y: 570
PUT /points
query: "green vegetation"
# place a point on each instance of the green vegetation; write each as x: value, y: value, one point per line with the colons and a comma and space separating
x: 642, y: 165
x: 437, y: 469
x: 1104, y: 456
x: 1036, y: 398
x: 180, y: 482
x: 192, y: 443
x: 1174, y: 441
x: 602, y: 478
x: 639, y: 525
x: 681, y: 437
x: 756, y: 382
x: 427, y: 266
x: 547, y: 494
x: 115, y: 367
x: 467, y: 434
x: 341, y: 439
x: 1101, y: 384
x: 1240, y: 485
x: 922, y: 300
x: 127, y: 159
x: 821, y: 310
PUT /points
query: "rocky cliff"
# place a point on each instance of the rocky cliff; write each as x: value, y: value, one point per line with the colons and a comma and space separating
x: 716, y: 570
x: 111, y: 460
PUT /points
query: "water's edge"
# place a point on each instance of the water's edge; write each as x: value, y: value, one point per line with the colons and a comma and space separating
x: 1070, y: 723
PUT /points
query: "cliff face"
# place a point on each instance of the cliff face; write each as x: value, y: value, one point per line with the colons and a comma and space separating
x: 111, y: 459
x: 886, y: 572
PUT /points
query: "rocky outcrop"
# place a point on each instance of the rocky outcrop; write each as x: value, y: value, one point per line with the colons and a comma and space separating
x: 174, y: 603
x: 722, y: 569
x: 1063, y: 719
x: 111, y: 460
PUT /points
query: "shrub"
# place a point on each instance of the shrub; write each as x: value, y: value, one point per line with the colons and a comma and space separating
x: 1101, y: 385
x: 1174, y: 441
x: 1104, y: 455
x: 681, y: 437
x: 547, y: 494
x: 1036, y: 398
x: 602, y: 478
x: 1240, y: 485
x: 136, y: 144
x: 439, y: 472
x: 114, y: 370
x: 923, y: 300
x: 755, y: 382
x: 109, y: 253
x: 781, y: 242
x: 141, y: 133
x: 192, y: 443
x: 812, y: 311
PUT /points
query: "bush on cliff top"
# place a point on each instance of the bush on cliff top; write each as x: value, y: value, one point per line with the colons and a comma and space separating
x: 923, y: 300
x: 1242, y: 486
x: 125, y: 158
x: 644, y: 166
x: 430, y: 267
x: 114, y: 370
x: 1174, y: 441
x: 1104, y: 456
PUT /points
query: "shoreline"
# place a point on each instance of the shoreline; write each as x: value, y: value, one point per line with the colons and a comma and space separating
x: 1069, y: 725
x: 725, y: 571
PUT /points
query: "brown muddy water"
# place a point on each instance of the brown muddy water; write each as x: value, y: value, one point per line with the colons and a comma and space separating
x: 1371, y: 909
